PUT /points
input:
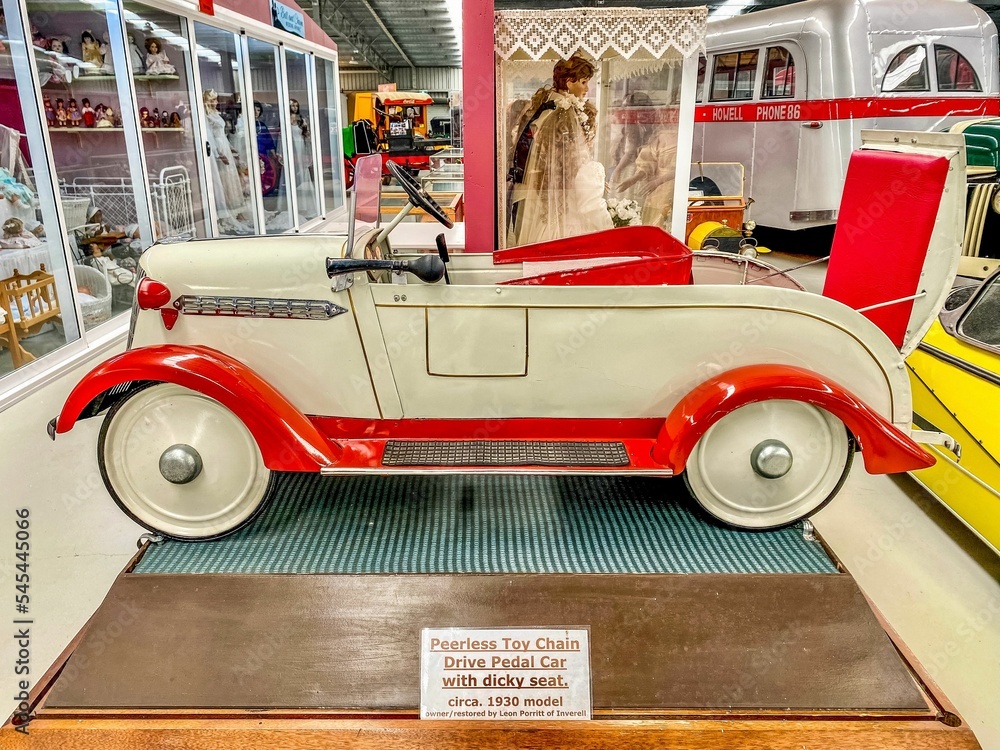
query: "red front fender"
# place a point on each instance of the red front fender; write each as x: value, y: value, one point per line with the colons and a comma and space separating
x: 288, y: 441
x: 884, y: 448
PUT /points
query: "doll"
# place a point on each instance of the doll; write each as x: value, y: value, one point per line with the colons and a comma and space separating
x: 175, y: 120
x: 558, y: 186
x: 109, y: 64
x: 154, y: 119
x: 75, y: 118
x: 135, y: 56
x: 90, y: 50
x: 89, y: 117
x: 164, y: 119
x: 13, y: 190
x: 144, y: 119
x: 37, y: 39
x: 102, y: 118
x: 50, y: 113
x: 62, y: 116
x: 16, y: 236
x: 157, y: 62
x: 64, y: 67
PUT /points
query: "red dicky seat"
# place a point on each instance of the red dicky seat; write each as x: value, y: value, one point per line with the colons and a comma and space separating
x: 654, y: 258
x: 887, y: 216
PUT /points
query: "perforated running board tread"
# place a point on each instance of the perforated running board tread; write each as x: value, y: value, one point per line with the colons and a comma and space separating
x: 503, y: 453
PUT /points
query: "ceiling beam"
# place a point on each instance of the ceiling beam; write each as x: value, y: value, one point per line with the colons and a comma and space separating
x: 333, y: 19
x: 385, y: 31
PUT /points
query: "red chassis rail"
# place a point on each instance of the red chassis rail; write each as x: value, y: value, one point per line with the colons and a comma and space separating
x: 291, y: 441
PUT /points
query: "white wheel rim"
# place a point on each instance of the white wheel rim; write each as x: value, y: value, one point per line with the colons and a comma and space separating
x: 230, y: 486
x: 723, y: 480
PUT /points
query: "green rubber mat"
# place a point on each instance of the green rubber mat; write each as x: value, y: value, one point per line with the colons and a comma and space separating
x: 487, y: 524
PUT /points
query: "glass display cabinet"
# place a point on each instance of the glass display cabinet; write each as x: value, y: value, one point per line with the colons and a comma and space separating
x: 124, y: 123
x: 588, y: 119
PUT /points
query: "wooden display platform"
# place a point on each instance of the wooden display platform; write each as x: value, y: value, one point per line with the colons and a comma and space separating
x: 682, y: 661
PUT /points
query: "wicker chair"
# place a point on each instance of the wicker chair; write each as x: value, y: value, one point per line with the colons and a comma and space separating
x: 98, y: 310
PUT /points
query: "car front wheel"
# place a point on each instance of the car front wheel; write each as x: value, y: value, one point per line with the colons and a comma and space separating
x: 182, y: 464
x: 770, y: 464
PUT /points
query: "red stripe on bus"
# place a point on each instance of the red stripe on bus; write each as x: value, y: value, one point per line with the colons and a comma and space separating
x: 848, y: 109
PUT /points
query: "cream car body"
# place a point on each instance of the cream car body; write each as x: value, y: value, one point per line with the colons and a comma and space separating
x: 250, y: 356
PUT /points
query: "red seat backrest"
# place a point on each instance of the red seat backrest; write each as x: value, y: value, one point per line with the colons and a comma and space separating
x: 886, y: 220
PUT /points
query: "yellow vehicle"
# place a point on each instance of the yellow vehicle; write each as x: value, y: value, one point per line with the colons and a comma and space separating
x: 955, y: 377
x: 393, y: 114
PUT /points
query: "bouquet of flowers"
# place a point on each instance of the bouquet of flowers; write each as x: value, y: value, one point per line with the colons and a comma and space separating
x: 624, y: 212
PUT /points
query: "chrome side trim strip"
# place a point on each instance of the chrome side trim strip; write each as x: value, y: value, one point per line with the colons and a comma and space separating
x: 258, y: 307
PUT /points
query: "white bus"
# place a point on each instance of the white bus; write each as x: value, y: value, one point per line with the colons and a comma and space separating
x: 787, y: 91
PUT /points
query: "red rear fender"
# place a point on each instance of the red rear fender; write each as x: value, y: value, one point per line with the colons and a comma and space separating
x: 884, y: 448
x: 288, y: 441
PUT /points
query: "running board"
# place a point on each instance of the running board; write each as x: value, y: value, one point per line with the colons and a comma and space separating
x: 506, y: 453
x: 542, y: 471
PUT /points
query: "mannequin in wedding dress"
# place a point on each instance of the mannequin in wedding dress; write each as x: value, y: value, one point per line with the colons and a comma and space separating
x: 559, y: 190
x: 305, y: 189
x: 229, y: 199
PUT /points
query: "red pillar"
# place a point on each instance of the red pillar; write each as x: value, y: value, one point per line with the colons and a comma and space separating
x: 479, y: 125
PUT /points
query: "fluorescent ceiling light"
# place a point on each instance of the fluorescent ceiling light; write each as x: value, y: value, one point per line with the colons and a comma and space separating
x: 729, y: 8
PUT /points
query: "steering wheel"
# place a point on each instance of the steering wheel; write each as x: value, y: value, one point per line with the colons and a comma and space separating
x: 417, y: 195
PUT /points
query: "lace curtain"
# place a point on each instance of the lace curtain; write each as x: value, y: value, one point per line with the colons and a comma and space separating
x: 599, y: 32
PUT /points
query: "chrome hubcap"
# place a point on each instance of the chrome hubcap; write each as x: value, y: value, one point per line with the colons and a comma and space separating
x: 771, y: 459
x: 180, y: 464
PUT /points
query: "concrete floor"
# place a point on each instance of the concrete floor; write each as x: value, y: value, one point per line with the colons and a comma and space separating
x: 937, y: 585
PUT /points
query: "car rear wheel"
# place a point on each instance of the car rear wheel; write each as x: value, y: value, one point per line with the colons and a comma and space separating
x: 770, y: 464
x: 181, y: 464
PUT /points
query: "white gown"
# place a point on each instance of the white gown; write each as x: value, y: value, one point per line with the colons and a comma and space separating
x: 225, y: 179
x: 305, y: 189
x: 239, y: 143
x: 555, y: 213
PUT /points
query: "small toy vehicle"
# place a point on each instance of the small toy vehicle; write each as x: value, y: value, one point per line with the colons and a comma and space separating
x: 258, y: 355
x: 717, y: 207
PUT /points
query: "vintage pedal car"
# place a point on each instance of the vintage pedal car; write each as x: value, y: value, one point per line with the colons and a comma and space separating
x: 616, y: 353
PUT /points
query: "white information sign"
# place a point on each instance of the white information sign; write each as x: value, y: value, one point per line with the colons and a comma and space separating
x: 505, y: 674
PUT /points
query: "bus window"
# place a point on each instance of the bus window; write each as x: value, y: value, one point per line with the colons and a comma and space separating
x: 779, y: 74
x: 907, y: 71
x: 955, y: 73
x: 702, y: 64
x: 734, y: 75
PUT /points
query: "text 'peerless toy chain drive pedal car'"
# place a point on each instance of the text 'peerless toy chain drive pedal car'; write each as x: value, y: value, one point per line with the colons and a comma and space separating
x: 251, y: 356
